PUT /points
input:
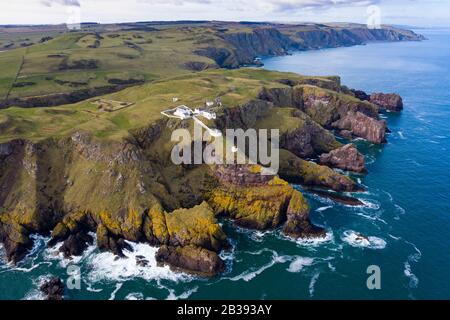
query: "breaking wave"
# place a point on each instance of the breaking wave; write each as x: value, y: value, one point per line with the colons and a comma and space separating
x: 357, y: 240
x: 107, y: 266
x: 299, y: 263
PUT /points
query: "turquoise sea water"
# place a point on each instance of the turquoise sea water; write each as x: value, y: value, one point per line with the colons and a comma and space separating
x: 407, y: 206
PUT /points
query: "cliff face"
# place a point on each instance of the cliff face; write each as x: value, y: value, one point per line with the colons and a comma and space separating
x: 242, y: 48
x: 127, y: 188
x: 344, y: 37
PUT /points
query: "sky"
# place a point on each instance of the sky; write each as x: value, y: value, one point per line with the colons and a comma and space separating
x: 420, y: 13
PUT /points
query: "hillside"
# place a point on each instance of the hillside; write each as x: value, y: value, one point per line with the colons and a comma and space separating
x: 86, y: 168
x: 44, y: 65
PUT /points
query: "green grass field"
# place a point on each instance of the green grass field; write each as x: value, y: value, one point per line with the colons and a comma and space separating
x: 233, y: 86
x: 80, y: 60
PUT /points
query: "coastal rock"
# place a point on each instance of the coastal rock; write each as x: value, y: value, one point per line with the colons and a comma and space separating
x: 307, y: 138
x: 338, y: 198
x: 242, y: 175
x: 196, y: 226
x: 389, y: 101
x: 310, y: 174
x: 361, y: 95
x: 75, y: 244
x: 241, y: 48
x: 263, y: 207
x: 108, y: 242
x: 345, y: 158
x: 142, y: 262
x: 346, y: 134
x: 363, y: 126
x: 15, y: 239
x: 191, y: 259
x: 298, y: 224
x: 53, y: 289
x: 326, y: 106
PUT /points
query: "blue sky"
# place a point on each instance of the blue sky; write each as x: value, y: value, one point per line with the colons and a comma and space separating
x: 404, y: 12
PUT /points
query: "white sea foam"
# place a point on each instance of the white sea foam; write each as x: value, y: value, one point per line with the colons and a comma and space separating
x: 113, y: 294
x: 370, y: 204
x: 331, y: 267
x: 373, y: 217
x: 134, y: 296
x: 400, y: 133
x: 29, y: 264
x: 35, y: 293
x: 312, y: 283
x: 394, y: 237
x: 321, y: 209
x: 413, y: 280
x: 315, y: 242
x: 252, y: 273
x: 258, y: 236
x: 356, y: 240
x: 53, y: 254
x: 92, y: 289
x: 389, y: 195
x: 183, y: 296
x: 299, y: 263
x: 107, y: 266
x: 412, y: 258
x: 399, y: 209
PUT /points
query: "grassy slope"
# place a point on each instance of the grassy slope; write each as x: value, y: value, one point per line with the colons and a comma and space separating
x: 234, y: 86
x: 146, y: 51
x: 119, y: 55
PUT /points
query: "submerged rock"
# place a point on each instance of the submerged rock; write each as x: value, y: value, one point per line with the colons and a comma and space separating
x: 53, y: 289
x: 339, y: 198
x: 345, y: 158
x: 389, y: 101
x: 142, y: 262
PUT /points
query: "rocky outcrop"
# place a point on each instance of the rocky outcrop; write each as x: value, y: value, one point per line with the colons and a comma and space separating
x: 389, y: 101
x: 262, y: 207
x: 191, y: 259
x: 53, y: 289
x: 337, y: 197
x: 344, y: 37
x: 243, y: 116
x: 126, y: 189
x: 298, y: 224
x: 345, y: 158
x: 15, y: 239
x: 241, y: 48
x: 310, y: 174
x: 326, y: 106
x: 363, y: 126
x: 361, y: 95
x: 178, y: 229
x: 246, y: 46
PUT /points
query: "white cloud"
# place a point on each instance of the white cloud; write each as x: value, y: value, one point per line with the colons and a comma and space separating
x: 49, y: 3
x: 417, y: 12
x: 269, y: 5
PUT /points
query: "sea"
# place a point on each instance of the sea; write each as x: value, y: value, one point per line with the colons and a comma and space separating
x: 405, y: 219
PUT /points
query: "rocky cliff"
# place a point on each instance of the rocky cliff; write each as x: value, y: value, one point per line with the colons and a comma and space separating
x: 243, y: 47
x: 126, y: 188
